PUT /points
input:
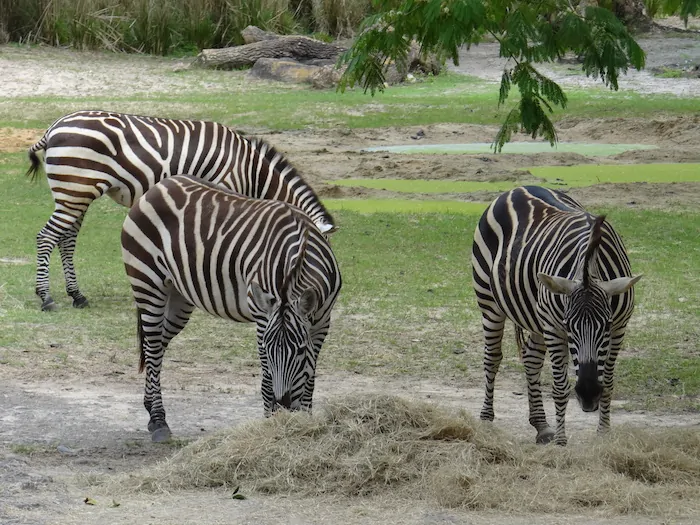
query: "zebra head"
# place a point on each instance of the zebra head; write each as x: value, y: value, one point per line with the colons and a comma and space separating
x: 588, y: 318
x: 285, y: 344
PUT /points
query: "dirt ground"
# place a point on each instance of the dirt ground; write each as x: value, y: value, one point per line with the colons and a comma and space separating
x: 56, y: 434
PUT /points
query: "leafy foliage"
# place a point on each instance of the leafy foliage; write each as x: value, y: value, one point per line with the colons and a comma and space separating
x: 684, y: 8
x: 527, y: 33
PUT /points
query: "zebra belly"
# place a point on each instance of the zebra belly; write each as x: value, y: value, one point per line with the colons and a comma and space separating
x: 122, y: 196
x: 231, y: 304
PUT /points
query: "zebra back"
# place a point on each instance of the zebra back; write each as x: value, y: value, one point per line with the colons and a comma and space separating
x: 124, y: 155
x: 532, y: 230
x: 213, y: 243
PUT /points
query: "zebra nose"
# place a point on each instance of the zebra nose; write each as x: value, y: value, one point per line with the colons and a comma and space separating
x: 285, y: 401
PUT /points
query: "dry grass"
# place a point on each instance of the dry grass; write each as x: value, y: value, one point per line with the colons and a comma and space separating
x: 386, y: 445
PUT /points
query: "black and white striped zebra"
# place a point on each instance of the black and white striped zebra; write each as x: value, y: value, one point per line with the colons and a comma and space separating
x: 553, y: 269
x: 92, y: 153
x: 190, y: 244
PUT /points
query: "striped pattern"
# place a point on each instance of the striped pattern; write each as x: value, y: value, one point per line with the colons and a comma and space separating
x: 92, y: 153
x: 561, y: 274
x: 189, y: 244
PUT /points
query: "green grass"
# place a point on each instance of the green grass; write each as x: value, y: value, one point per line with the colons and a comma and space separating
x: 229, y: 97
x: 406, y: 206
x: 407, y: 304
x: 550, y: 176
x: 670, y: 73
x: 586, y: 175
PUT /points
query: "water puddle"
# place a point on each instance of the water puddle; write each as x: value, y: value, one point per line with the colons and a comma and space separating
x: 475, y: 148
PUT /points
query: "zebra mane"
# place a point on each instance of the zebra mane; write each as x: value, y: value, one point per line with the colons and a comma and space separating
x: 295, y: 272
x: 271, y: 152
x: 283, y: 165
x: 591, y: 250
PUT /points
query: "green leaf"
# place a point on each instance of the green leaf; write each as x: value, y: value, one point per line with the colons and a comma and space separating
x: 527, y: 32
x: 89, y: 501
x: 510, y: 125
x: 689, y: 8
x: 505, y: 87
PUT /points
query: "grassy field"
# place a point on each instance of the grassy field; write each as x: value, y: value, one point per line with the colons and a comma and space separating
x: 407, y: 306
x: 232, y: 100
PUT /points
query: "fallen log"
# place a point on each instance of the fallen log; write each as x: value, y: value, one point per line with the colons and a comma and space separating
x: 296, y: 47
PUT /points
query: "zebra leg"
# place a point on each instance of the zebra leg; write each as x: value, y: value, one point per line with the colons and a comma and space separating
x: 559, y: 354
x: 268, y: 395
x: 493, y: 323
x: 151, y: 321
x: 318, y: 335
x: 63, y: 224
x: 157, y: 334
x: 67, y: 248
x: 177, y: 313
x: 606, y: 398
x: 46, y: 240
x: 533, y: 359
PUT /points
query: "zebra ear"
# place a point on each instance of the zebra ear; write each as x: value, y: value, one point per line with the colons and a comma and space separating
x: 307, y: 302
x: 559, y: 285
x: 619, y: 285
x: 327, y: 228
x: 261, y: 299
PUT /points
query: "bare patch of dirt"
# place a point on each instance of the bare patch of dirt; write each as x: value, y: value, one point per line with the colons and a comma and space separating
x: 483, y: 61
x: 55, y: 437
x: 325, y: 156
x: 13, y: 140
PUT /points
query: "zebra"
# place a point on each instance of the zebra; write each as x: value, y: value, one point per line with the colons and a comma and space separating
x: 542, y: 261
x: 189, y: 244
x: 88, y: 154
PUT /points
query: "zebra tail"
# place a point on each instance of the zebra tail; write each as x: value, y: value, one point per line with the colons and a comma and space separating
x: 140, y: 338
x: 33, y: 170
x: 520, y: 341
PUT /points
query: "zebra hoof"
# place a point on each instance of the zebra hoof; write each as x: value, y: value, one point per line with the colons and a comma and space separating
x: 160, y: 432
x: 161, y: 435
x: 544, y: 436
x: 49, y: 305
x: 80, y: 302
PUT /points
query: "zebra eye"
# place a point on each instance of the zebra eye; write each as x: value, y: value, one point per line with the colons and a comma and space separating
x: 301, y: 350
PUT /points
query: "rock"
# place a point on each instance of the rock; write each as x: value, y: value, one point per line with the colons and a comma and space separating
x: 66, y: 451
x: 326, y: 77
x: 253, y: 34
x: 284, y: 70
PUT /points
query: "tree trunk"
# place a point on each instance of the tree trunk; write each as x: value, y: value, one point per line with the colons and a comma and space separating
x: 296, y: 47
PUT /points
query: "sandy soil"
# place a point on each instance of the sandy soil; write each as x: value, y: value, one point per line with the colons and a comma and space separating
x: 55, y: 434
x: 78, y: 429
x: 679, y: 53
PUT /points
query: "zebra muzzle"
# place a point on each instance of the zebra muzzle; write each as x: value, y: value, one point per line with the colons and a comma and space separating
x: 285, y: 401
x: 588, y: 388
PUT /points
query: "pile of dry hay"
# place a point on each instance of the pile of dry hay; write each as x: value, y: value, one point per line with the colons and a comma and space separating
x: 378, y: 444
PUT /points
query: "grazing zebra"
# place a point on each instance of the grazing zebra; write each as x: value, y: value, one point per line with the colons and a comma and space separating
x: 92, y: 153
x: 542, y: 261
x: 188, y: 243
